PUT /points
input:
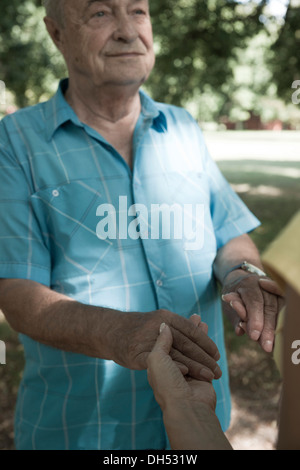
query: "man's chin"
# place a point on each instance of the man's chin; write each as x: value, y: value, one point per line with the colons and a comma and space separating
x: 123, y: 81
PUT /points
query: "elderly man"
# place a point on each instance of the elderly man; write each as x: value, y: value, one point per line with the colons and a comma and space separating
x: 82, y: 280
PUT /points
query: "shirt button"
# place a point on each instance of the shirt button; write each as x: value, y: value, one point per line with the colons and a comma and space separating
x: 159, y: 282
x: 55, y: 193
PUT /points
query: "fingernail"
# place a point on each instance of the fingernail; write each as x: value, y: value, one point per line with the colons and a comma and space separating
x: 217, y: 356
x: 198, y: 318
x: 217, y: 372
x: 206, y: 374
x: 255, y: 334
x: 224, y: 295
x: 162, y: 326
x: 268, y: 346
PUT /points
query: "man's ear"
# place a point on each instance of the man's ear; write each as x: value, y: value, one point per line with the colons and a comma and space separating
x: 55, y: 32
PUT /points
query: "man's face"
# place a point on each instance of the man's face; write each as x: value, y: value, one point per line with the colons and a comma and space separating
x: 108, y: 41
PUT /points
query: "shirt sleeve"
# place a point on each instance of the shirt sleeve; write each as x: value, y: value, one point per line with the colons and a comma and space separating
x: 23, y: 253
x: 230, y: 216
x: 282, y: 258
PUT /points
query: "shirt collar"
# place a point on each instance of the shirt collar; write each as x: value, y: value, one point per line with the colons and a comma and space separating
x: 58, y: 111
x: 150, y: 110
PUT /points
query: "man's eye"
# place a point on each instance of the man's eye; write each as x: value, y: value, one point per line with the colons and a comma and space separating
x: 99, y: 14
x: 139, y: 12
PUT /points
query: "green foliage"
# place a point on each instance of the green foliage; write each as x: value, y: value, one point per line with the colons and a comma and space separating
x: 286, y: 59
x: 29, y: 63
x: 194, y: 42
x: 251, y: 88
x: 211, y: 56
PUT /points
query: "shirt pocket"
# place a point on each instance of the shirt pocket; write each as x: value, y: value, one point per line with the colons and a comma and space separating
x: 68, y: 210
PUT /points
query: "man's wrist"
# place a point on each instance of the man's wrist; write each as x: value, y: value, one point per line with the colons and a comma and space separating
x: 244, y: 269
x: 232, y: 276
x: 248, y: 267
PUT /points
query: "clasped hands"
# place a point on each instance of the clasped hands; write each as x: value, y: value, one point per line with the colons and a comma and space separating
x: 252, y: 303
x: 133, y: 337
x: 188, y: 405
x: 164, y: 372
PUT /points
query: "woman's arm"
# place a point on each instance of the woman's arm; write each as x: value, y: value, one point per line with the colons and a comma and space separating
x: 188, y: 405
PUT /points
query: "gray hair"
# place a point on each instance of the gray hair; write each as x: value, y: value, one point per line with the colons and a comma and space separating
x: 55, y: 9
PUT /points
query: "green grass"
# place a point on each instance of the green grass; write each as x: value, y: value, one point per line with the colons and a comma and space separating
x: 275, y: 209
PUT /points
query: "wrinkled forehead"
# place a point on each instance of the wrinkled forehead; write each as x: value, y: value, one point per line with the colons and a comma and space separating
x: 81, y: 5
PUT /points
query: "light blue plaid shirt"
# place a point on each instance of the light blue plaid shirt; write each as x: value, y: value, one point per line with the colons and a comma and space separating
x: 55, y: 173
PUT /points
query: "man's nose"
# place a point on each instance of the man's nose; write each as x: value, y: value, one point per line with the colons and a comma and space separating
x: 125, y: 29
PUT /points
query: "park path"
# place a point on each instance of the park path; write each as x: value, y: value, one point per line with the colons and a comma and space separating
x: 271, y: 146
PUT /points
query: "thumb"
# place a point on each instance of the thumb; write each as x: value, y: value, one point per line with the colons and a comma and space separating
x: 163, y: 346
x: 271, y: 286
x: 164, y: 341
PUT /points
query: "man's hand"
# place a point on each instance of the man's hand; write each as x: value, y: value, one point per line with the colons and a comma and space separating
x: 134, y: 335
x: 252, y: 304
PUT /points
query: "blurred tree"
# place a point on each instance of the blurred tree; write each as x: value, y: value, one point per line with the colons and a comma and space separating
x: 286, y: 59
x: 210, y: 54
x: 247, y: 90
x: 251, y: 83
x: 194, y: 42
x: 29, y: 63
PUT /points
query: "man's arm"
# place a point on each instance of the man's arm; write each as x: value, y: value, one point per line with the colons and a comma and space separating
x: 232, y: 254
x: 244, y: 299
x: 126, y: 338
x: 54, y: 319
